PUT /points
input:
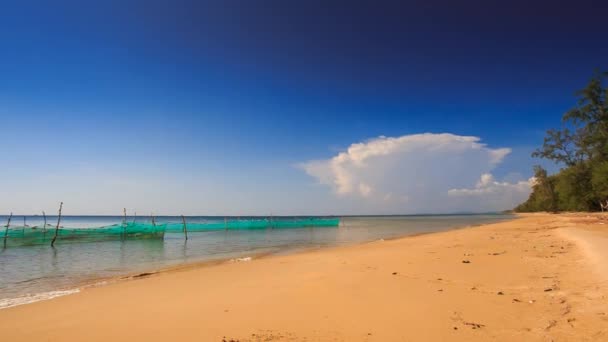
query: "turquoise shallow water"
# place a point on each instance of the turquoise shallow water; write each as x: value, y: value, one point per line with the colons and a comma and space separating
x: 41, y: 269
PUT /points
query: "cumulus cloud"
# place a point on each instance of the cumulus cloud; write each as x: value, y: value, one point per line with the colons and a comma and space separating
x: 419, y: 173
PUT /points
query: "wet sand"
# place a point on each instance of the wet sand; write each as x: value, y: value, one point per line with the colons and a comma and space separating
x: 539, y: 277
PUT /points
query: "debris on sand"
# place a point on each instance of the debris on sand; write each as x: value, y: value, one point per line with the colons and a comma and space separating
x: 552, y: 323
x: 474, y: 325
x: 142, y: 275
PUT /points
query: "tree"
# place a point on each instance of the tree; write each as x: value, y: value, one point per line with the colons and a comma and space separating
x: 588, y: 138
x: 543, y: 197
x: 599, y: 180
x: 581, y: 146
x: 574, y: 190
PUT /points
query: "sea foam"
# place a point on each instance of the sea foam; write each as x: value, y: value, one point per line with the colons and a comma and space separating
x: 31, y: 298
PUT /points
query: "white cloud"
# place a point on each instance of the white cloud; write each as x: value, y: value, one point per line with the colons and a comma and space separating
x: 489, y: 194
x: 419, y: 173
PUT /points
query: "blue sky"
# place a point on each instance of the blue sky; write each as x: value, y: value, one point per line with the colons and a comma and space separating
x: 216, y: 107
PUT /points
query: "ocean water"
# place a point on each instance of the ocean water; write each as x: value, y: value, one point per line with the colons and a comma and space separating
x: 34, y: 273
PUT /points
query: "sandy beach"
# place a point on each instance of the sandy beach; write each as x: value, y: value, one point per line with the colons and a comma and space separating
x: 539, y: 277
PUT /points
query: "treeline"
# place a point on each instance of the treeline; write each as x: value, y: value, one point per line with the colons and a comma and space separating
x: 581, y: 148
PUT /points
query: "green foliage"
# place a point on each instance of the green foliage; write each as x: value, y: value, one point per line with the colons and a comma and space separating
x: 543, y: 196
x: 599, y: 179
x: 573, y: 189
x: 581, y: 146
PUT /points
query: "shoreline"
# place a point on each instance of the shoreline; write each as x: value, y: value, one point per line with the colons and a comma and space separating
x: 99, y: 281
x: 521, y: 279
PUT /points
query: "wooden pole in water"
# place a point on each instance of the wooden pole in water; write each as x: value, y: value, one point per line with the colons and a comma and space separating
x: 44, y: 227
x: 153, y: 220
x: 185, y: 227
x: 225, y: 223
x: 57, y: 227
x: 6, y: 230
x: 124, y: 222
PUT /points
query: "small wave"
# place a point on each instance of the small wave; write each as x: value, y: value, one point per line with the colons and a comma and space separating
x: 241, y: 259
x: 31, y: 298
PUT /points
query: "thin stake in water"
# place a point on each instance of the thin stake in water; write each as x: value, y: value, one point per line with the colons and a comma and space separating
x: 124, y: 223
x: 44, y: 226
x: 6, y: 230
x: 57, y: 227
x: 185, y: 227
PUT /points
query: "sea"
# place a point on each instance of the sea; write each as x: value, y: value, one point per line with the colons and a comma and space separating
x: 33, y: 273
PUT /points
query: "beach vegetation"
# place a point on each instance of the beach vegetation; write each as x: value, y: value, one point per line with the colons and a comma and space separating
x: 580, y: 147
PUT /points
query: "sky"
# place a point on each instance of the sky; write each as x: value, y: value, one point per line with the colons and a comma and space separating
x: 285, y: 107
